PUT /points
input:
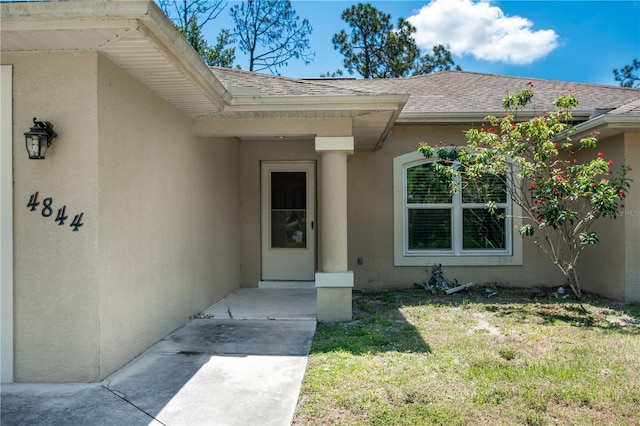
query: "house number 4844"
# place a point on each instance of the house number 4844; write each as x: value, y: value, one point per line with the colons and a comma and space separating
x: 47, y: 211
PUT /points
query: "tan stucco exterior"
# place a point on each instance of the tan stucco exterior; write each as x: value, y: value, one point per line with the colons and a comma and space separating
x: 55, y: 269
x: 159, y: 204
x: 164, y: 162
x: 172, y: 217
x: 632, y: 223
x: 168, y: 223
x: 619, y: 246
x: 370, y: 214
x: 371, y: 227
x: 371, y: 222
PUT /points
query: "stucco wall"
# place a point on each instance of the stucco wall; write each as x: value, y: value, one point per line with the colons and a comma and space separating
x: 631, y: 213
x: 602, y: 265
x: 371, y: 222
x: 370, y: 215
x: 168, y: 205
x: 612, y: 267
x: 56, y: 298
x: 160, y: 235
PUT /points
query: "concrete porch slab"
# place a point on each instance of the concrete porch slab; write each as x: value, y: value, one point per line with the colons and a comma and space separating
x: 246, y: 371
x: 246, y: 337
x: 287, y: 284
x: 266, y: 304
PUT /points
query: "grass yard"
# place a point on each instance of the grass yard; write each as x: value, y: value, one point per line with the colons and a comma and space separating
x: 413, y: 358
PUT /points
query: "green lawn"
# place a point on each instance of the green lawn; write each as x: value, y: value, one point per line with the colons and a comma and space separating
x: 413, y: 358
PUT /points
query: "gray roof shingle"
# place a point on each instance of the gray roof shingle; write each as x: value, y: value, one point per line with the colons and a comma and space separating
x: 632, y: 108
x: 456, y: 91
x: 449, y: 91
x: 271, y: 85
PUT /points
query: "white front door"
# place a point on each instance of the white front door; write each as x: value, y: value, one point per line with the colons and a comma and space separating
x: 288, y: 221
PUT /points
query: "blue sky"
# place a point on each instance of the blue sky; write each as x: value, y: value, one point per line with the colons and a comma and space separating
x: 579, y: 41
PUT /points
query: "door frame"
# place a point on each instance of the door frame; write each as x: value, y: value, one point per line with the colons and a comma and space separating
x: 6, y: 225
x: 309, y: 167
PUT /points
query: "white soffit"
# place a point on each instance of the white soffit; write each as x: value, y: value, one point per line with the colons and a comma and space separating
x: 139, y: 56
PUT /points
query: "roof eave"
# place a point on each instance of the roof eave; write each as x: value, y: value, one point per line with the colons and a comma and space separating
x: 184, y: 54
x: 387, y: 130
x: 468, y: 117
x: 443, y: 117
x: 369, y: 102
x: 358, y: 107
x: 607, y: 125
x: 144, y: 18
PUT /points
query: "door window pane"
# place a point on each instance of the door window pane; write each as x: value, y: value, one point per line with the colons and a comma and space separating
x: 288, y: 210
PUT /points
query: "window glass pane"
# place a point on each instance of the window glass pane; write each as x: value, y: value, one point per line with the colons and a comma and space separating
x: 429, y: 229
x: 425, y: 187
x: 288, y: 190
x: 288, y: 210
x: 483, y: 230
x: 489, y: 188
x: 288, y: 229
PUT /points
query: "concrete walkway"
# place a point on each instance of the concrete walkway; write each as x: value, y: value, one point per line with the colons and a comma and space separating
x: 242, y: 363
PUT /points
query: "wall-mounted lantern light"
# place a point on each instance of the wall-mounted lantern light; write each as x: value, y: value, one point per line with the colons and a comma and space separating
x: 39, y: 138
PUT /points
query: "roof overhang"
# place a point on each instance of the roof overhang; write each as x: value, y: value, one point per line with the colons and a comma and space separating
x: 469, y: 117
x: 370, y: 117
x: 136, y: 35
x: 608, y: 125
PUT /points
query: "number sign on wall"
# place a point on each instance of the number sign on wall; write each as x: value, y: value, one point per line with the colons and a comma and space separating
x: 47, y: 211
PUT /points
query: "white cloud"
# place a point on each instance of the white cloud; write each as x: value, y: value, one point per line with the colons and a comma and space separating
x: 482, y: 30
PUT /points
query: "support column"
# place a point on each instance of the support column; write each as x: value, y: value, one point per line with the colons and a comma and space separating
x: 334, y: 282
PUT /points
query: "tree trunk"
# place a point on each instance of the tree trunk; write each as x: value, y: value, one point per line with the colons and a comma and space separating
x: 573, y: 281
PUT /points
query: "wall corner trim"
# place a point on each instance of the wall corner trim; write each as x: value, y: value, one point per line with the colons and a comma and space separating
x: 6, y: 225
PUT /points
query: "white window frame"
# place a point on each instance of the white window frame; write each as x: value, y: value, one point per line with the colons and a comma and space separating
x: 511, y: 255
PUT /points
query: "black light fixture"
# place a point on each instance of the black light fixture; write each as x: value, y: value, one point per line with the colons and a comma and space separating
x: 39, y: 138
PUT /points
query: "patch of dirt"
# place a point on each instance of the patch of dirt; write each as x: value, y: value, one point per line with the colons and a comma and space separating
x: 484, y: 325
x: 623, y: 320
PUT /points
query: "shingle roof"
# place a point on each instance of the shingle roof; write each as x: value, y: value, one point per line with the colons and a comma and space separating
x: 632, y: 108
x: 456, y: 91
x: 449, y: 91
x: 270, y: 85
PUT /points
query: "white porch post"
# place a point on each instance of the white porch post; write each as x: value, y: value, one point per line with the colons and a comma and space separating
x: 334, y: 282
